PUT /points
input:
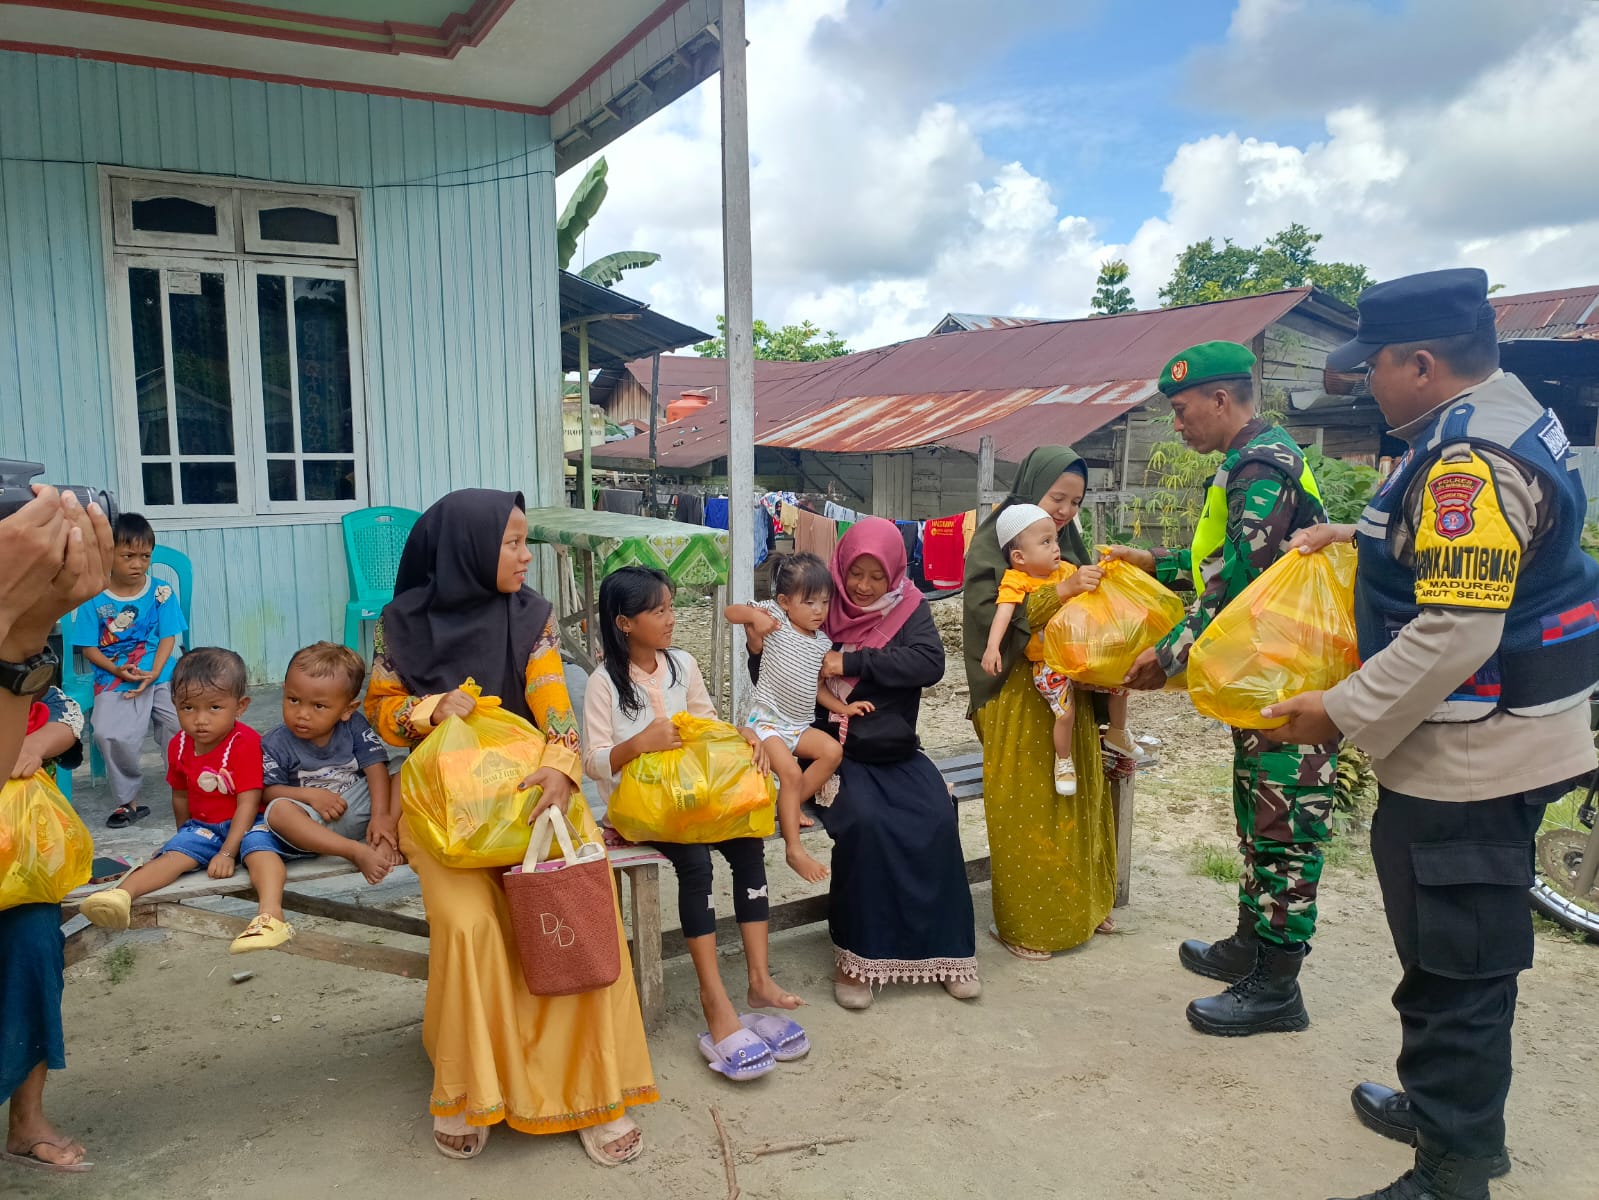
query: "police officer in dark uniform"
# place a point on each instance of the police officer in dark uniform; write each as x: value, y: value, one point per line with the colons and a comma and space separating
x: 1478, y: 619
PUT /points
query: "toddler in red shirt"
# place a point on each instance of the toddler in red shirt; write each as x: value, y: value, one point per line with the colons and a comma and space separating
x: 214, y: 767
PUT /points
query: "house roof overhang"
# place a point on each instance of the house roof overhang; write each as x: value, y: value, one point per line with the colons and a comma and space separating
x: 596, y: 68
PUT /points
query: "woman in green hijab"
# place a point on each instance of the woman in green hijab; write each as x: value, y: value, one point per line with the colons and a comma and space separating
x: 1054, y: 857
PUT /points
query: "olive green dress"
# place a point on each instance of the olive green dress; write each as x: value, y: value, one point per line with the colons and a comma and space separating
x: 1054, y: 857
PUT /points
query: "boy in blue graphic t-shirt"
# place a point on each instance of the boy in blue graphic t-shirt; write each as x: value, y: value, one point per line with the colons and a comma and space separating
x: 129, y: 632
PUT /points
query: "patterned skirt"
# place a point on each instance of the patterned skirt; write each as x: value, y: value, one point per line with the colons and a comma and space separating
x: 899, y: 909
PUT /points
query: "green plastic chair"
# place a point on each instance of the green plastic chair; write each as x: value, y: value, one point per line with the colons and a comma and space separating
x: 373, y: 541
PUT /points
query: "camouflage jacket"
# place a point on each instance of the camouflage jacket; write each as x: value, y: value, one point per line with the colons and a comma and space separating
x: 1265, y: 508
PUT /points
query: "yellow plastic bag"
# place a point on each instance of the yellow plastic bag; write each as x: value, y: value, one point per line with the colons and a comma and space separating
x: 1095, y: 637
x: 708, y: 791
x: 459, y: 787
x: 1290, y: 631
x: 45, y: 848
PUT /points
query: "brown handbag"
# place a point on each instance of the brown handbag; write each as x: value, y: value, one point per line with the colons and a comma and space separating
x: 563, y: 912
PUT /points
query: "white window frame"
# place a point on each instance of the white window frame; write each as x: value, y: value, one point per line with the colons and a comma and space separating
x: 126, y: 393
x: 253, y: 270
x: 124, y: 191
x: 120, y: 242
x: 341, y: 208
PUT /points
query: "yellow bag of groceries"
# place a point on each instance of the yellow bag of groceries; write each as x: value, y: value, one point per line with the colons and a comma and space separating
x: 1095, y: 637
x: 45, y: 848
x: 708, y: 791
x: 459, y: 787
x: 1292, y: 630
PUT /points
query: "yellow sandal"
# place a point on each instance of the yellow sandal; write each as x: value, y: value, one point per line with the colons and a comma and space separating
x: 262, y: 933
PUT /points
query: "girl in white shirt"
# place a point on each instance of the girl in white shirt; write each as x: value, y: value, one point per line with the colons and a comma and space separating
x: 627, y: 712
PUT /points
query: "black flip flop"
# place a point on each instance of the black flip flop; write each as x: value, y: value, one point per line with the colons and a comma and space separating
x: 126, y: 815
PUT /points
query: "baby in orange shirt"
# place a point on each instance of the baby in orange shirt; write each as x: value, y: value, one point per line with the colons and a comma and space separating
x: 1028, y: 536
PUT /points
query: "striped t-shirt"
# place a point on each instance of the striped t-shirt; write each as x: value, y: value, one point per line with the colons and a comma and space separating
x: 791, y: 667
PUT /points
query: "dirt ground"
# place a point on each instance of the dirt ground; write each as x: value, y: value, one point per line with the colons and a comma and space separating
x: 1076, y: 1078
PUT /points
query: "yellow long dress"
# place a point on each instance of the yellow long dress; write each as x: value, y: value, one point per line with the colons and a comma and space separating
x: 541, y: 1064
x: 1053, y: 857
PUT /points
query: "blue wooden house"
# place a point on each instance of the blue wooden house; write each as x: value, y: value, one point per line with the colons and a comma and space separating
x: 264, y: 265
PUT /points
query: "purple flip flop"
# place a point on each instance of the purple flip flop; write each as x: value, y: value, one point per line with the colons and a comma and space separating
x: 783, y: 1037
x: 740, y: 1056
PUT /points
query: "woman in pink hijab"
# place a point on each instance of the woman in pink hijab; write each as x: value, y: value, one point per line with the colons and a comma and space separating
x: 900, y: 909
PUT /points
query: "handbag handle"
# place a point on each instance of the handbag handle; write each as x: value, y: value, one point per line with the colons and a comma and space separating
x: 554, y: 823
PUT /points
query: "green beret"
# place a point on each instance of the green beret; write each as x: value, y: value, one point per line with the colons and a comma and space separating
x: 1208, y: 362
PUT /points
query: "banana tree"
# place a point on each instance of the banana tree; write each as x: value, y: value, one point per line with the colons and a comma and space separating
x: 575, y: 218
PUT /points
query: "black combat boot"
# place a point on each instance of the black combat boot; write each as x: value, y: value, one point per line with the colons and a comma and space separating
x: 1229, y: 959
x: 1385, y: 1111
x: 1267, y: 1000
x: 1438, y: 1175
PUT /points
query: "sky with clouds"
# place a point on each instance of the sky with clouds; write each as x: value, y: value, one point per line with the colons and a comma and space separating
x: 914, y: 157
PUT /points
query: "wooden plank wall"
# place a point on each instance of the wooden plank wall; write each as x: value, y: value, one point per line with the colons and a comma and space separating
x: 458, y: 287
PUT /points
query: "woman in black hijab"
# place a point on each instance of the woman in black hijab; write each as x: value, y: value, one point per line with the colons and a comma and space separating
x: 542, y: 1064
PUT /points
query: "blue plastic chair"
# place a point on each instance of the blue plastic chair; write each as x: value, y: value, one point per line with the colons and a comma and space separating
x: 373, y: 541
x: 77, y: 675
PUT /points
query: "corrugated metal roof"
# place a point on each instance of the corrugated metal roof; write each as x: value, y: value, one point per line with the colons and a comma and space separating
x: 628, y: 329
x: 1547, y: 314
x: 1072, y: 376
x: 962, y: 322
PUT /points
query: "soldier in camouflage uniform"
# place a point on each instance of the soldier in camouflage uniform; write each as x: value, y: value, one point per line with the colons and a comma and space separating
x: 1262, y: 494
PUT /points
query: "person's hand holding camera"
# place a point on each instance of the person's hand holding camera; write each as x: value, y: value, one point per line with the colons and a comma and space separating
x: 57, y: 554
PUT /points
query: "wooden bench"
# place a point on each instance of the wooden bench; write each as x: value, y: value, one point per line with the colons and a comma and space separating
x: 172, y: 907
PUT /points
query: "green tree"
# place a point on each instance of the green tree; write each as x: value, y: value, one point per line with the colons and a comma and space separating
x: 791, y: 343
x: 1113, y: 296
x: 1287, y: 259
x: 576, y: 217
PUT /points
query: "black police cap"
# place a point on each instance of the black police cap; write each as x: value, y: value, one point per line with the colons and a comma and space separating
x: 1416, y: 308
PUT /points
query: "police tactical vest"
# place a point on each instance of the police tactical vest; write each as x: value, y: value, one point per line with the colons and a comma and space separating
x: 1548, y: 654
x: 1275, y: 449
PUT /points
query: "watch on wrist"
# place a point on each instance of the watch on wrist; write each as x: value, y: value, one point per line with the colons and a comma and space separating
x: 30, y: 676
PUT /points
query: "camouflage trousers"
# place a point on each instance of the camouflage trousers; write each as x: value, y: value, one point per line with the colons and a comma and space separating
x: 1282, y: 799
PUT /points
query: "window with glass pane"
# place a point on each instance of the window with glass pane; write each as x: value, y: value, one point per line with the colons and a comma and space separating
x: 299, y: 225
x: 183, y: 387
x: 308, y: 407
x: 174, y: 214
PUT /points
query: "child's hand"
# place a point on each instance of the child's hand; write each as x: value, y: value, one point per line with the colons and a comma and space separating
x: 1084, y: 579
x: 330, y: 806
x: 660, y: 734
x: 859, y: 708
x: 833, y: 664
x: 222, y: 866
x: 763, y: 624
x: 993, y: 662
x: 757, y: 750
x: 143, y: 682
x: 385, y: 831
x: 454, y: 704
x: 27, y: 763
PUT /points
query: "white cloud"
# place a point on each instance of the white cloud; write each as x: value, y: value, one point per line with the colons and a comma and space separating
x: 877, y: 207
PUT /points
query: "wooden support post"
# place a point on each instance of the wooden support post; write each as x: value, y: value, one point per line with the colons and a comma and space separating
x: 585, y: 479
x: 718, y: 641
x: 591, y: 628
x: 655, y: 414
x: 1121, y: 794
x: 739, y: 305
x: 985, y: 475
x: 644, y: 897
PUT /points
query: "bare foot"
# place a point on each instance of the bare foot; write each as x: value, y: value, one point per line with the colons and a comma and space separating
x: 721, y: 1018
x: 46, y: 1143
x: 803, y: 865
x: 806, y: 822
x: 373, y: 864
x: 767, y: 994
x: 622, y: 1142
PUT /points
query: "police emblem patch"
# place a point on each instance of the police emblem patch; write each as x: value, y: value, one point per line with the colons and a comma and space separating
x: 1179, y: 370
x: 1455, y: 496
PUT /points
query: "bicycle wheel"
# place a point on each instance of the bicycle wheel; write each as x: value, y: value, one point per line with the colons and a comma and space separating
x: 1566, y: 840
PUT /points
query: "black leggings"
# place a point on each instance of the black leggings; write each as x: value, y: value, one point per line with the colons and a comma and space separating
x: 696, y: 909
